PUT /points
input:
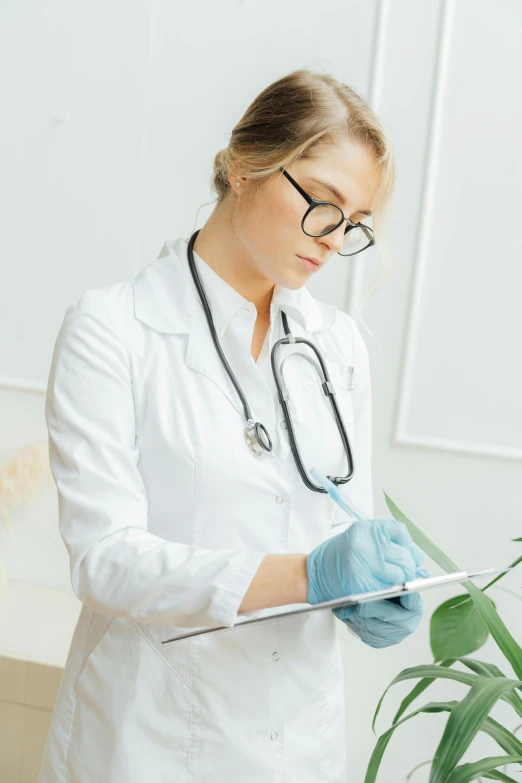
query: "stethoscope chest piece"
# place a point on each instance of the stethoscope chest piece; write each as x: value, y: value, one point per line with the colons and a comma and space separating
x: 257, y: 438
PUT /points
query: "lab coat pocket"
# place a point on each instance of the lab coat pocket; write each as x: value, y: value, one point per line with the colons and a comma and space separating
x: 124, y: 684
x: 341, y: 375
x: 174, y: 655
x: 98, y: 627
x: 97, y: 647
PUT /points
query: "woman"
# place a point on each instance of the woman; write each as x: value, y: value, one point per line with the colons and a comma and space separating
x: 179, y: 514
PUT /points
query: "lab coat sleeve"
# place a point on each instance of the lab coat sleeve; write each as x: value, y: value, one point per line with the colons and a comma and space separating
x: 117, y: 566
x: 360, y: 488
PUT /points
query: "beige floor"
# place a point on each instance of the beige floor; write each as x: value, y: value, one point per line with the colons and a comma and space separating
x: 27, y: 695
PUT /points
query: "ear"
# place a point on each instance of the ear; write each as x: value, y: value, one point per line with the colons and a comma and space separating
x: 233, y: 178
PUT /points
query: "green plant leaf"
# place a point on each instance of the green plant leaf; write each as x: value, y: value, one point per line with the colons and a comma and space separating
x: 432, y: 671
x: 507, y: 644
x: 467, y: 772
x: 504, y: 738
x: 383, y: 740
x: 499, y: 576
x: 465, y: 721
x: 490, y: 670
x: 500, y: 776
x: 417, y: 690
x: 456, y: 628
x: 482, y: 667
x: 422, y: 540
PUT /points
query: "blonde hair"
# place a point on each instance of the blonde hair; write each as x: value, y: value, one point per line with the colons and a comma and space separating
x: 298, y: 116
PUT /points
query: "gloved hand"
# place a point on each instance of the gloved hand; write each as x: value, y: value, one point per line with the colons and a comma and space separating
x: 383, y: 623
x: 369, y: 555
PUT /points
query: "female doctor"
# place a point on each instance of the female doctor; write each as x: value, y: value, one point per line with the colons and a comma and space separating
x: 183, y: 486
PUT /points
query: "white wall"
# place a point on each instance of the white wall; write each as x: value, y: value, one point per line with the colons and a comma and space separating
x: 112, y: 115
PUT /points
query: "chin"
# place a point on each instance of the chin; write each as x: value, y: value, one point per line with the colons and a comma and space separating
x: 294, y: 282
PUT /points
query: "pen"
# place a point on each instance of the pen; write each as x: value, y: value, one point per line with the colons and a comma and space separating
x: 333, y: 491
x: 350, y: 508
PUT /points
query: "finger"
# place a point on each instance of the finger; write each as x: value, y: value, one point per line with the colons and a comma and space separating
x: 344, y: 612
x: 374, y: 640
x: 399, y: 533
x: 378, y: 626
x: 401, y: 556
x: 383, y: 610
x: 418, y: 554
x: 412, y: 601
x: 389, y: 610
x: 391, y: 573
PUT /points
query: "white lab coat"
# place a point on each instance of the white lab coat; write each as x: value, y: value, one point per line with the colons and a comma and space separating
x: 167, y: 515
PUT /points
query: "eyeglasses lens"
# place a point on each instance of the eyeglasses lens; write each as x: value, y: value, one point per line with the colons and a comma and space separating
x: 326, y: 217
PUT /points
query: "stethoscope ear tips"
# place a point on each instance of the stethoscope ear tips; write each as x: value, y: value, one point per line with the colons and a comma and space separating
x: 257, y: 438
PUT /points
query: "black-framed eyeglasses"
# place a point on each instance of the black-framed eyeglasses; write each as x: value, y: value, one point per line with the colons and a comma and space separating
x: 322, y: 217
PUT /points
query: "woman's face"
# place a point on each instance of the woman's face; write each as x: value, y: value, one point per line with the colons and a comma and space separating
x: 267, y: 223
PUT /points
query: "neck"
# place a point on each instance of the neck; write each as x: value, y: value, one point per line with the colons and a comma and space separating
x: 218, y: 246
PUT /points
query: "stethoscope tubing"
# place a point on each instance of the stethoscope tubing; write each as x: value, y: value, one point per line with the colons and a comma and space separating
x: 255, y: 432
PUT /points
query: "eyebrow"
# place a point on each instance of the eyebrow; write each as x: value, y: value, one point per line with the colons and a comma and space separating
x: 338, y: 195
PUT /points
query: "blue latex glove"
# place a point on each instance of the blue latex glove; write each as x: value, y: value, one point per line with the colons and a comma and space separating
x: 383, y: 623
x: 370, y: 555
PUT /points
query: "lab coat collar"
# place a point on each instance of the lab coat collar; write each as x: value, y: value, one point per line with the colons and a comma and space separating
x: 165, y: 293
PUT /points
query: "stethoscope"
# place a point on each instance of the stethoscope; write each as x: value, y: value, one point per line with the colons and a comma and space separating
x: 256, y: 435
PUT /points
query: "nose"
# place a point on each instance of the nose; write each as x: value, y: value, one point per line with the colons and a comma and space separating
x: 335, y: 239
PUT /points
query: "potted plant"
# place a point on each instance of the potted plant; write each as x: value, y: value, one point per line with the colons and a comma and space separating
x: 458, y: 627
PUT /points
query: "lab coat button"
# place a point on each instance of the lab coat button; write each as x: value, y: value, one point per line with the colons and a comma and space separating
x: 283, y: 424
x: 274, y: 735
x: 279, y: 499
x: 275, y: 656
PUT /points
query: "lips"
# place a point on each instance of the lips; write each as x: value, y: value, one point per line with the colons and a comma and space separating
x: 311, y: 258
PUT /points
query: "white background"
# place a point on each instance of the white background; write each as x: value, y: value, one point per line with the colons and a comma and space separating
x: 112, y: 114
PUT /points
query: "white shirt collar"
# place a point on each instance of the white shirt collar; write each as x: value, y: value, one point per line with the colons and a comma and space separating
x: 164, y: 292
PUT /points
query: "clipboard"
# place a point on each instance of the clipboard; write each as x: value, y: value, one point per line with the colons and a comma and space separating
x: 413, y: 586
